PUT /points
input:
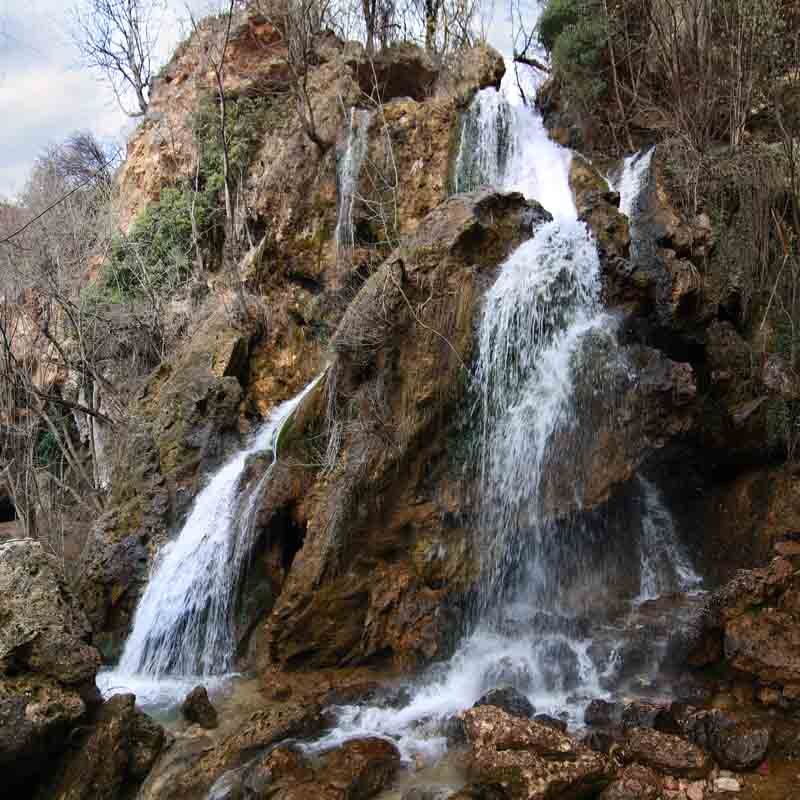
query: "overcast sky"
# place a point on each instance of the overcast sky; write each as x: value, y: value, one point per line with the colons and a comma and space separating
x: 44, y: 94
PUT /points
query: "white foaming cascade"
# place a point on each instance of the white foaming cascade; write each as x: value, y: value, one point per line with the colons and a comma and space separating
x: 184, y: 627
x: 547, y: 361
x: 664, y: 565
x: 635, y: 171
x: 538, y: 317
x: 349, y: 171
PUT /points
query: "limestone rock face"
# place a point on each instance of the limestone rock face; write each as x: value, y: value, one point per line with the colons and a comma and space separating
x: 47, y: 664
x: 756, y: 620
x: 530, y: 761
x: 112, y: 759
x: 375, y: 574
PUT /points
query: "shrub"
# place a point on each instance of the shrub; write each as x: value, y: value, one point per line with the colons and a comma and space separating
x: 556, y: 16
x: 575, y: 34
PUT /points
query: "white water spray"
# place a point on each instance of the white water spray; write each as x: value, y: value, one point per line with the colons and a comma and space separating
x: 184, y: 625
x: 664, y: 565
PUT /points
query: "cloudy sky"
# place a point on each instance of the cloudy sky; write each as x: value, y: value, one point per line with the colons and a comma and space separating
x: 44, y: 93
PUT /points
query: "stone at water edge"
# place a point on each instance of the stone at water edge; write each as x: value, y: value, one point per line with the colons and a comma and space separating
x: 666, y: 753
x: 197, y: 708
x: 509, y: 700
x: 601, y: 713
x: 527, y: 760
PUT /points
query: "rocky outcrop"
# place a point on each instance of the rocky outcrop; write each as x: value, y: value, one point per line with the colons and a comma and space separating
x: 753, y: 626
x: 382, y: 550
x: 47, y: 663
x: 523, y: 759
x: 111, y: 759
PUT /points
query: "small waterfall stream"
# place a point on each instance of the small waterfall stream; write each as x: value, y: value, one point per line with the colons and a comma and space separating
x: 184, y: 627
x: 349, y: 171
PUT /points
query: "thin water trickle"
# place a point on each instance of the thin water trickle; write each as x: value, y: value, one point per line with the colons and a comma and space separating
x: 348, y: 174
x: 184, y: 627
x: 664, y: 565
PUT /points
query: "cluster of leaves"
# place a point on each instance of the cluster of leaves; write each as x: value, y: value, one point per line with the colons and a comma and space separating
x: 246, y: 118
x: 575, y: 34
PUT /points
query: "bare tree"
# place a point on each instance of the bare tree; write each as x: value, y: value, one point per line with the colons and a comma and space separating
x: 118, y: 38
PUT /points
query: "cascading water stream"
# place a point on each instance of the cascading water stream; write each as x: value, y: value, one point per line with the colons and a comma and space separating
x: 545, y: 344
x: 664, y: 565
x: 184, y: 625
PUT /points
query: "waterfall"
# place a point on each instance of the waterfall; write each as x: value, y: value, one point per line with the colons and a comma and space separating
x: 664, y: 565
x: 184, y: 626
x: 547, y: 364
x: 635, y: 171
x: 348, y: 173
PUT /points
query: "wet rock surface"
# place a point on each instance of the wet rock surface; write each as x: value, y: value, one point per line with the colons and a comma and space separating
x: 509, y: 700
x: 111, y: 759
x: 357, y: 770
x: 525, y: 759
x: 666, y: 753
x: 198, y: 708
x: 47, y: 664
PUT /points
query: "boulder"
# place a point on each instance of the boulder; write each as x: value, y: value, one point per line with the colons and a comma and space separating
x: 198, y: 708
x: 601, y: 713
x: 509, y: 700
x: 528, y: 760
x: 47, y: 664
x: 357, y: 770
x: 551, y: 722
x: 736, y: 744
x: 634, y: 782
x: 111, y: 758
x: 43, y: 630
x: 666, y: 753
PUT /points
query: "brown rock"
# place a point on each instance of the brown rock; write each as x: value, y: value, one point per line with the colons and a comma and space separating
x: 360, y: 768
x: 528, y: 760
x: 634, y: 782
x: 112, y: 758
x: 666, y: 753
x: 198, y: 708
x: 509, y: 700
x: 47, y: 666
